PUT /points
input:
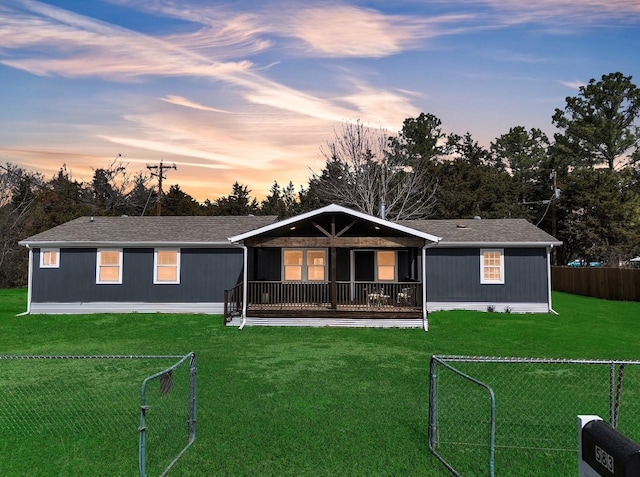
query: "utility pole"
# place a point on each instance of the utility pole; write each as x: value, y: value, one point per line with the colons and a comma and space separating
x: 556, y: 195
x: 158, y: 171
x: 551, y: 205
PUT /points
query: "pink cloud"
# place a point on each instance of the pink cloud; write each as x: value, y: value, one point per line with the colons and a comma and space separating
x: 181, y: 101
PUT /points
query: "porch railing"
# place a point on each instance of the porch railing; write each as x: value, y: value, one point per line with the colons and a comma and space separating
x: 233, y: 302
x: 313, y: 294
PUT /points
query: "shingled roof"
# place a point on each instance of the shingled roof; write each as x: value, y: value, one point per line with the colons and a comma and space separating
x: 206, y: 230
x: 216, y: 230
x: 494, y: 232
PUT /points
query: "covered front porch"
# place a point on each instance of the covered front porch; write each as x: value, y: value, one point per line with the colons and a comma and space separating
x: 331, y: 267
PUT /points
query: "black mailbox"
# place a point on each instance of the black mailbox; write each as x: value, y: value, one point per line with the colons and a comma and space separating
x: 609, y: 452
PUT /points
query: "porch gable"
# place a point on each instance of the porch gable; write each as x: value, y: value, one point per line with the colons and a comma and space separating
x: 332, y: 222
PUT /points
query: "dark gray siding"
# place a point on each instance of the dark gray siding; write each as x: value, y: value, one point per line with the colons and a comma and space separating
x: 454, y: 275
x: 343, y: 261
x: 267, y: 265
x: 204, y: 275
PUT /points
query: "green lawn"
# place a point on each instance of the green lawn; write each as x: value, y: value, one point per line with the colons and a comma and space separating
x: 316, y: 402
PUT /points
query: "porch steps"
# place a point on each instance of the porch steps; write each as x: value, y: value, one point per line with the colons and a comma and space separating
x: 331, y: 322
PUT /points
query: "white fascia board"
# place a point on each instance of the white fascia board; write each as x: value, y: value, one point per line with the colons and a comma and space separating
x: 334, y: 208
x: 498, y: 244
x: 106, y: 244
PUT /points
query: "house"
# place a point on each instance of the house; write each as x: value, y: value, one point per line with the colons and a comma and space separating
x: 329, y: 267
x: 136, y: 264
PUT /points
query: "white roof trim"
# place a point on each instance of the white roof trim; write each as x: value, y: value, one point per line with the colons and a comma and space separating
x: 126, y: 244
x: 335, y: 208
x: 499, y: 244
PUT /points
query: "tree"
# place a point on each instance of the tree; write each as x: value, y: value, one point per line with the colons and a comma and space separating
x: 238, y: 202
x: 467, y: 149
x: 361, y: 173
x: 62, y: 199
x: 18, y: 198
x: 598, y: 215
x: 421, y: 139
x: 109, y: 187
x: 140, y: 199
x: 178, y: 202
x: 281, y: 201
x: 470, y: 186
x: 598, y: 126
x: 525, y: 154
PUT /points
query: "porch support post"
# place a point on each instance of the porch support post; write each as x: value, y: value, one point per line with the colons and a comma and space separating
x: 30, y: 281
x: 425, y: 314
x: 334, y: 283
x: 245, y: 282
x: 549, y: 289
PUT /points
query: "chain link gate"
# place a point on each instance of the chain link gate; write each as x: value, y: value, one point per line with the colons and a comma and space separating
x: 80, y: 415
x: 168, y: 410
x: 534, y: 411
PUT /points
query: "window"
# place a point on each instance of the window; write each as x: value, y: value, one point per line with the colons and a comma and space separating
x: 166, y: 266
x: 386, y: 265
x: 109, y: 269
x: 492, y: 266
x: 50, y: 258
x: 316, y: 261
x: 293, y: 265
x: 305, y: 265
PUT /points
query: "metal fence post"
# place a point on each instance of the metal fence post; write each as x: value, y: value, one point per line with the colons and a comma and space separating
x: 142, y: 454
x: 193, y: 375
x: 433, y: 404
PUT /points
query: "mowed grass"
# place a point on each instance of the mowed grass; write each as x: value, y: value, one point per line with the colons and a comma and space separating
x: 300, y: 401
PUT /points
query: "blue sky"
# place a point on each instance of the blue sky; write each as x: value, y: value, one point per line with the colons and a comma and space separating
x: 249, y: 91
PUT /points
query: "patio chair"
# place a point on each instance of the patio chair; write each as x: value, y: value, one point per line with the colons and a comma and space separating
x: 405, y: 297
x: 376, y: 297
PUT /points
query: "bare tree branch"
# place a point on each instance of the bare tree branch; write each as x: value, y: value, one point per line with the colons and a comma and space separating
x: 361, y: 173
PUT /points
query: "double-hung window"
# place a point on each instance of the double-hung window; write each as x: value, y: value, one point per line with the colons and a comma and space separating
x: 305, y: 265
x: 166, y: 266
x: 386, y: 262
x: 492, y: 266
x: 109, y: 266
x: 50, y: 258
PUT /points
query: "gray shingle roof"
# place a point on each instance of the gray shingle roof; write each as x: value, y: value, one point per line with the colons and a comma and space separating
x: 504, y: 231
x: 218, y: 229
x: 150, y: 230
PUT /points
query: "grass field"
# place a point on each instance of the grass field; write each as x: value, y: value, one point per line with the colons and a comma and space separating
x: 304, y: 402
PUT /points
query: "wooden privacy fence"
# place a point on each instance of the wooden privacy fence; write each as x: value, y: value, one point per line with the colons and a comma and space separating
x: 609, y: 283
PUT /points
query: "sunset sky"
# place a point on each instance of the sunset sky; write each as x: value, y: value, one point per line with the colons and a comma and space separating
x: 249, y: 91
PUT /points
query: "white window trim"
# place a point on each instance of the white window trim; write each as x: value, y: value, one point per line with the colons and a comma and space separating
x: 376, y: 276
x: 98, y: 262
x: 156, y: 281
x: 45, y: 265
x: 305, y: 265
x: 483, y: 281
